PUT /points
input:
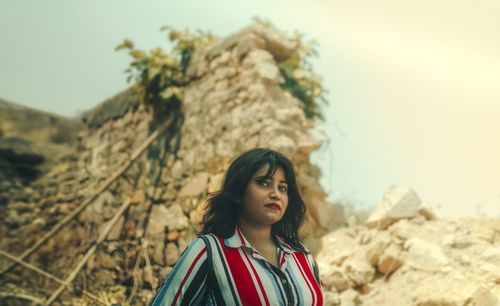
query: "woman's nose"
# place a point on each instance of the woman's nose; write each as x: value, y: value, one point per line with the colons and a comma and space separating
x: 275, y: 194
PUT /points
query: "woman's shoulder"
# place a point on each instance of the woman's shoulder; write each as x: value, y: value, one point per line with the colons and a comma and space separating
x: 207, y: 237
x: 195, y: 245
x: 208, y: 240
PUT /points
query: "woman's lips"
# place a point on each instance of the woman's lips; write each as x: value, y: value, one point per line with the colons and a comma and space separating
x: 274, y: 206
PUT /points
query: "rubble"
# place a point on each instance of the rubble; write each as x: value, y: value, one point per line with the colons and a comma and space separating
x: 413, y: 263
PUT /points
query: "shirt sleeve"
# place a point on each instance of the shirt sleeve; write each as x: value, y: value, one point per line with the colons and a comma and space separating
x: 186, y: 283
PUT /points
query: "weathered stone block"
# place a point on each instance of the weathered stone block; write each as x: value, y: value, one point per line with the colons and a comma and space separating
x: 398, y: 203
x: 196, y: 185
x: 359, y: 270
x: 391, y: 259
x: 424, y: 255
x: 171, y: 253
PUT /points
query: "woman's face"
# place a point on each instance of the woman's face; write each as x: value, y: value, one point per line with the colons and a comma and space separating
x: 265, y: 200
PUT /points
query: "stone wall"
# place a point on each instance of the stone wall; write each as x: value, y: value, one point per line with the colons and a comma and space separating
x: 233, y: 103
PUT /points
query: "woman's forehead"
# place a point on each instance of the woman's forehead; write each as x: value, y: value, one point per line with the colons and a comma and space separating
x: 264, y: 169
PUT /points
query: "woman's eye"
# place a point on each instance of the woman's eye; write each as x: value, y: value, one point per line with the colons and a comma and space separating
x: 263, y: 183
x: 283, y: 188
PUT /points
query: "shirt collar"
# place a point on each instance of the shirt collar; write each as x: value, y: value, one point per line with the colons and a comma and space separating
x: 238, y: 240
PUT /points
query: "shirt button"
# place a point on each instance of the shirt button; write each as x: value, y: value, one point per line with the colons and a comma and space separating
x: 283, y: 281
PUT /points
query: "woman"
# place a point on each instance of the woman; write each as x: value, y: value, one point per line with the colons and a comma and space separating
x: 249, y: 251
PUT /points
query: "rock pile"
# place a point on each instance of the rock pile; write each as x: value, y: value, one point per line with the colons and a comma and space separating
x: 414, y: 259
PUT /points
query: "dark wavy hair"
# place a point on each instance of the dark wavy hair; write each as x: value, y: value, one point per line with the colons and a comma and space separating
x: 222, y: 206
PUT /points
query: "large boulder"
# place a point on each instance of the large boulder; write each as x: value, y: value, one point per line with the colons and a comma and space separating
x: 399, y: 203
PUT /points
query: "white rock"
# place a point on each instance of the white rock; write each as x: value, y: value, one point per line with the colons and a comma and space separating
x: 377, y: 248
x: 464, y: 259
x: 195, y: 186
x: 247, y: 43
x: 225, y: 72
x: 359, y: 270
x: 448, y: 240
x: 287, y: 115
x: 334, y: 277
x: 398, y: 203
x: 488, y: 267
x: 114, y: 233
x: 281, y: 143
x: 424, y: 255
x: 350, y: 297
x: 331, y: 298
x: 158, y: 252
x: 256, y: 57
x: 402, y: 229
x: 391, y: 259
x: 172, y: 253
x: 157, y: 221
x: 491, y: 254
x: 483, y: 297
x: 162, y: 218
x: 176, y: 220
x: 215, y: 182
x: 269, y: 72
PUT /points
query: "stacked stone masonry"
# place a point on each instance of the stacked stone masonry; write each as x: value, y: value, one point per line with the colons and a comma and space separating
x: 233, y: 103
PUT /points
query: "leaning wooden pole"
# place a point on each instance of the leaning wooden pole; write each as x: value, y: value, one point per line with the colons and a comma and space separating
x: 106, y: 184
x: 89, y: 253
x: 48, y: 275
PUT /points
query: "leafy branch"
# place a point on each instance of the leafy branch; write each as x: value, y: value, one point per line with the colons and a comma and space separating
x: 300, y: 80
x: 161, y: 75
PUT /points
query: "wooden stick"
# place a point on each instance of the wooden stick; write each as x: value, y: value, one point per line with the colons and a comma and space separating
x: 47, y: 275
x: 135, y: 276
x: 89, y: 253
x: 148, y: 268
x: 106, y: 184
x: 23, y: 296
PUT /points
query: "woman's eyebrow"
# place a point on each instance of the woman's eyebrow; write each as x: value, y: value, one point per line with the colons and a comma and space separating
x: 270, y: 178
x: 265, y: 177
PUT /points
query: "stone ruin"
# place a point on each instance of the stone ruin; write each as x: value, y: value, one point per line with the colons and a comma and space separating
x: 141, y: 210
x: 144, y: 208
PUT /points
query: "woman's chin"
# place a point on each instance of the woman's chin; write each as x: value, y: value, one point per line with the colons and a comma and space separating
x: 272, y: 219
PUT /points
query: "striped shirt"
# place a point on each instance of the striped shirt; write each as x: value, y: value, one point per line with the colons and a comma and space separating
x: 232, y: 272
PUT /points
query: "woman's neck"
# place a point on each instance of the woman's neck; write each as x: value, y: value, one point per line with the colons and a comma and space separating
x: 257, y: 236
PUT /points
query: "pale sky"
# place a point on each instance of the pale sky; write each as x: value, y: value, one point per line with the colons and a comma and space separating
x: 414, y: 86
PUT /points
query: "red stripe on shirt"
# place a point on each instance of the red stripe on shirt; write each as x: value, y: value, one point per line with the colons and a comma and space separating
x: 305, y: 268
x: 258, y: 280
x: 203, y: 251
x: 282, y: 259
x: 244, y: 284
